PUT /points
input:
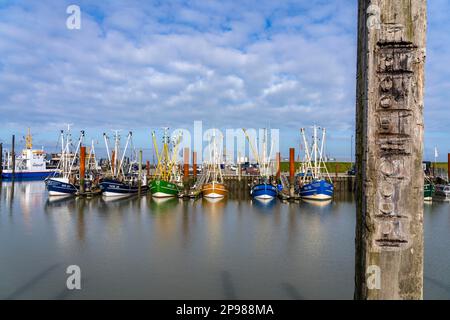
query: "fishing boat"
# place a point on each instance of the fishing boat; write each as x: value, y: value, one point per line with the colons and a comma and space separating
x: 166, y: 183
x: 213, y: 186
x: 428, y: 189
x: 442, y: 192
x: 29, y: 165
x: 63, y: 182
x: 122, y: 180
x: 263, y: 188
x: 316, y: 183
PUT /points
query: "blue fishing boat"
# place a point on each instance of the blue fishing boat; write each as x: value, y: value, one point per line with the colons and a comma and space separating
x: 122, y: 181
x: 317, y: 190
x: 315, y: 181
x: 63, y: 181
x: 113, y: 187
x: 264, y: 191
x: 262, y: 188
x: 60, y: 186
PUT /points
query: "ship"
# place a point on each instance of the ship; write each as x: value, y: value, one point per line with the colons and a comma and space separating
x: 64, y: 181
x: 428, y: 189
x: 213, y: 186
x: 122, y: 180
x: 166, y: 183
x: 264, y: 187
x: 316, y: 183
x: 31, y: 164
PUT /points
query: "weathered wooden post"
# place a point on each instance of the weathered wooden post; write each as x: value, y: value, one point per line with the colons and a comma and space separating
x: 194, y: 164
x: 1, y: 160
x: 291, y: 171
x: 389, y: 131
x: 82, y: 168
x: 448, y: 166
x: 113, y: 162
x: 186, y: 168
x: 13, y: 157
x: 278, y: 166
x: 140, y: 172
x: 147, y: 168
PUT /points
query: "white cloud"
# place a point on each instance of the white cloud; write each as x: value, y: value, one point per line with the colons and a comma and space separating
x: 233, y: 63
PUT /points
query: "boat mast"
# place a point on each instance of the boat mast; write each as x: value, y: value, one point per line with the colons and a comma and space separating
x: 80, y: 141
x: 130, y: 134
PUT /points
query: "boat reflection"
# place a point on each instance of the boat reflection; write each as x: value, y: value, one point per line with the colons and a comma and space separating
x: 56, y: 201
x: 319, y: 204
x: 162, y: 205
x: 213, y: 200
x: 264, y: 205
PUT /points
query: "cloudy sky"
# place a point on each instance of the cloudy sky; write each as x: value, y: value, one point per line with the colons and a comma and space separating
x: 142, y: 65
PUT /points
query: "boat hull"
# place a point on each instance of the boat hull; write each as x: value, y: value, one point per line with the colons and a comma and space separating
x: 319, y: 190
x: 60, y: 187
x: 428, y: 191
x: 214, y: 190
x: 163, y: 189
x: 264, y: 191
x: 27, y: 175
x: 114, y: 188
x: 442, y: 193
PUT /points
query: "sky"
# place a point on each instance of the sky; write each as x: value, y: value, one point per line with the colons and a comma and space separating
x: 144, y: 65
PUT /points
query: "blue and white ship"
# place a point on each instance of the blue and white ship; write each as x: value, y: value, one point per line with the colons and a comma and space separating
x: 316, y: 183
x: 63, y: 182
x: 264, y: 191
x: 116, y: 188
x: 262, y: 188
x: 122, y: 181
x: 29, y: 165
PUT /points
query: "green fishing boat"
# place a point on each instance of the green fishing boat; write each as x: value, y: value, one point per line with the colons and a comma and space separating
x: 428, y: 189
x: 165, y: 184
x: 163, y: 189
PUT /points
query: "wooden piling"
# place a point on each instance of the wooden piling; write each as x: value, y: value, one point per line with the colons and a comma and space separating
x: 278, y: 166
x: 186, y: 163
x: 140, y: 172
x: 147, y: 167
x: 291, y: 171
x: 1, y: 160
x: 448, y: 167
x: 389, y: 148
x: 13, y: 156
x: 186, y: 168
x: 82, y: 168
x: 194, y: 164
x: 113, y: 162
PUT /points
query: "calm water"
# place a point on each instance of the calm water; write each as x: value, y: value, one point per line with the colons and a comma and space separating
x: 140, y: 248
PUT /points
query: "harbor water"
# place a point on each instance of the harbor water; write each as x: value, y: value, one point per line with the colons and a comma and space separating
x: 143, y: 248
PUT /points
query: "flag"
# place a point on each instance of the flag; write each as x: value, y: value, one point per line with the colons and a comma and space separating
x: 436, y: 154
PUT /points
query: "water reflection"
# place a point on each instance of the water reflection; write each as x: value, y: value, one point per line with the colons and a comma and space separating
x: 227, y: 248
x: 318, y: 204
x: 264, y: 205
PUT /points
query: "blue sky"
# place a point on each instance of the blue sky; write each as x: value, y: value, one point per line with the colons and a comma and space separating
x: 141, y: 65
